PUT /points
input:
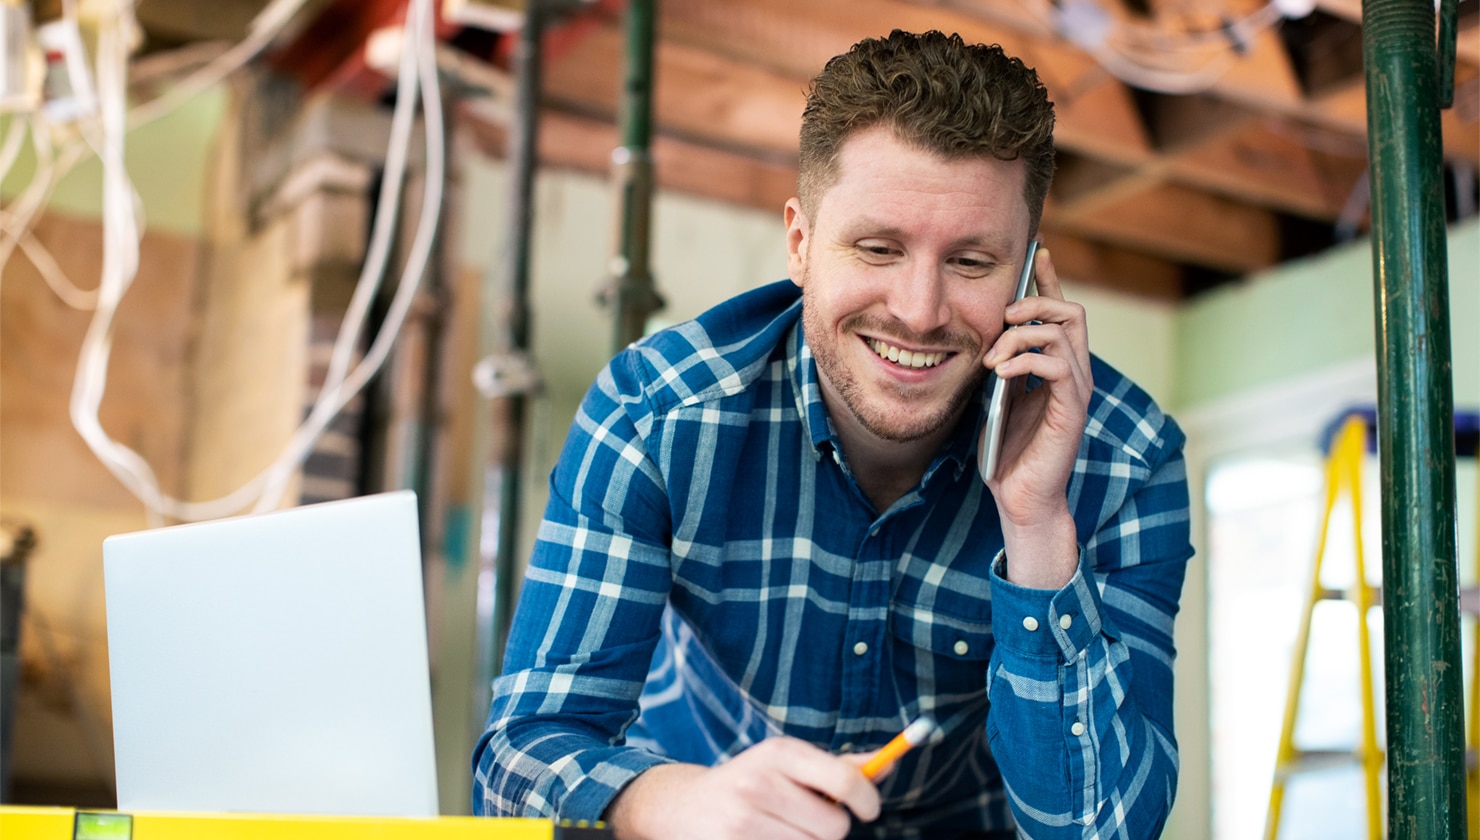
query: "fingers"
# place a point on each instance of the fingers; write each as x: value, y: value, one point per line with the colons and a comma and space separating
x: 813, y: 771
x: 1061, y: 332
x: 781, y: 788
x: 1045, y: 277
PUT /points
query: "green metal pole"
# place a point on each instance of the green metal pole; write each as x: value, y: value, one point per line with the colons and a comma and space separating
x: 1425, y: 696
x: 508, y: 336
x: 631, y: 293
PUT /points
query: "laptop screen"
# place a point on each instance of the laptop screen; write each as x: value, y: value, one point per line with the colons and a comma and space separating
x: 273, y: 663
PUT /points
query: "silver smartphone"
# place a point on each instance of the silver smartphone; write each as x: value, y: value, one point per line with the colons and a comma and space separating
x: 998, y: 390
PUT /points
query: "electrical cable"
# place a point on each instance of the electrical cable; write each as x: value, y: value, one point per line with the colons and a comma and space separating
x: 121, y: 236
x: 265, y: 27
x: 10, y: 147
x: 418, y: 71
x: 46, y: 265
x: 421, y: 44
x: 1155, y: 58
x: 16, y: 222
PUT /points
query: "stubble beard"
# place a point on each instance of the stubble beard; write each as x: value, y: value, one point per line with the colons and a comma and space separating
x: 896, y: 427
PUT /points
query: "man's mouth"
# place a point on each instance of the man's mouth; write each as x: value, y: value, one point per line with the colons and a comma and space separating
x: 906, y: 358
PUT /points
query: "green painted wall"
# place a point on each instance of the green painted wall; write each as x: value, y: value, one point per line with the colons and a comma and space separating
x: 167, y: 160
x: 1311, y: 314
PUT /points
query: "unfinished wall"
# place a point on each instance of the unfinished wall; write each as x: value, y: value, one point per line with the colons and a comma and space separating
x: 51, y: 481
x: 206, y: 382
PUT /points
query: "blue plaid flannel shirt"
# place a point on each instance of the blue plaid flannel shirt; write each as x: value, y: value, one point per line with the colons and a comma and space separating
x: 708, y: 574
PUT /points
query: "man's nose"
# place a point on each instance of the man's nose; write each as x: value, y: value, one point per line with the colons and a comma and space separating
x: 918, y: 298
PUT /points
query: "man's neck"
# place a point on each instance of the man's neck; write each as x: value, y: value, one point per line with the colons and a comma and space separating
x: 884, y: 469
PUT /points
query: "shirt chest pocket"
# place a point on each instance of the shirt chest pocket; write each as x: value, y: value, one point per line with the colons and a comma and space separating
x: 942, y: 653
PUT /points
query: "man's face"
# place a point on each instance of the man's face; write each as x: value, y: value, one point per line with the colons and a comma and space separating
x: 905, y: 272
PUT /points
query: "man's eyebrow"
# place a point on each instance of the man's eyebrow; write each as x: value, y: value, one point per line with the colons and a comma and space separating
x: 864, y: 228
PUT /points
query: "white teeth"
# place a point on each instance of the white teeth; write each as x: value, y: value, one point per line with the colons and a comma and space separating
x: 906, y: 358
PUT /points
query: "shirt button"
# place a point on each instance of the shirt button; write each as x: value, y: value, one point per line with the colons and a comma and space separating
x: 860, y: 649
x: 1077, y: 729
x: 961, y: 648
x: 1030, y: 623
x: 1065, y: 621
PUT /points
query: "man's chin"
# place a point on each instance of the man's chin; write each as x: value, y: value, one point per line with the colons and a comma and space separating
x: 904, y: 425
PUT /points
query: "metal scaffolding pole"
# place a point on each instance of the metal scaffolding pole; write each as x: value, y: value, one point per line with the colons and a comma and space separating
x: 630, y: 292
x: 1425, y: 695
x: 507, y: 338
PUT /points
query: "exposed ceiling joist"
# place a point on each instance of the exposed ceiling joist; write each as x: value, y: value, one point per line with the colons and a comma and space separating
x: 1157, y: 193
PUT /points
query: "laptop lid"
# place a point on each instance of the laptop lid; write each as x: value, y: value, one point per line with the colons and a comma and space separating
x: 273, y: 663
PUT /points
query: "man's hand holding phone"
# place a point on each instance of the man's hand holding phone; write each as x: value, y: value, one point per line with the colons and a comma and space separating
x: 1042, y: 429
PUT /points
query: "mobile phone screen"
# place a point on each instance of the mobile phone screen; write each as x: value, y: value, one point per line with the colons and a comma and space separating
x: 998, y: 390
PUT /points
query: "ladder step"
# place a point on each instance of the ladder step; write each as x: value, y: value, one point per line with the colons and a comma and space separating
x: 1328, y: 594
x: 1307, y: 761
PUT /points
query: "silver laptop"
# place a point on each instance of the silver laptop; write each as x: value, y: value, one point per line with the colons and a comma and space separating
x: 273, y: 663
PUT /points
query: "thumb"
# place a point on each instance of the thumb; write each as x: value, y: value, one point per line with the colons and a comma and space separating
x: 861, y: 758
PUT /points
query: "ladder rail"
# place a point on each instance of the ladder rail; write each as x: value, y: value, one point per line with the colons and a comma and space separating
x: 1342, y: 471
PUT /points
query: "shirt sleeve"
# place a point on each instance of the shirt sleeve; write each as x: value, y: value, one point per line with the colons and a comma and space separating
x: 1080, y: 680
x: 587, y: 622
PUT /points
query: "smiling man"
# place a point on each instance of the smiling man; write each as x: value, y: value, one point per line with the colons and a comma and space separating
x: 767, y: 550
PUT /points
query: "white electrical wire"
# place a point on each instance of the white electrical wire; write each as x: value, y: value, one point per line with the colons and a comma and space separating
x: 46, y: 265
x: 120, y: 265
x: 420, y: 43
x: 10, y: 148
x: 260, y: 33
x: 418, y: 71
x: 1151, y: 57
x: 15, y: 222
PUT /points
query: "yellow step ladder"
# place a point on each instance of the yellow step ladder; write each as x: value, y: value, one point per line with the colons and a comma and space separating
x: 1343, y: 474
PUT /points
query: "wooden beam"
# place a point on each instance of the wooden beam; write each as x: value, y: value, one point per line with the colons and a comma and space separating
x: 1184, y: 122
x: 1346, y: 9
x: 192, y: 20
x: 1346, y: 110
x: 1467, y: 45
x: 1178, y: 223
x: 584, y: 144
x: 1263, y: 165
x: 1096, y: 113
x: 1092, y: 263
x: 579, y: 143
x: 1083, y: 187
x: 1263, y: 77
x: 696, y: 94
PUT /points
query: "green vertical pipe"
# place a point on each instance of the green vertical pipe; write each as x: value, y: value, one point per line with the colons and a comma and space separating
x: 506, y: 287
x: 634, y: 297
x: 1425, y: 716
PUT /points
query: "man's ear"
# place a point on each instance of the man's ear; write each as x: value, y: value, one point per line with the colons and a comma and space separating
x: 798, y: 237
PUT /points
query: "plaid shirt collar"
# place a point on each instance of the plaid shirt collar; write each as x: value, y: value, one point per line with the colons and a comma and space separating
x: 959, y: 451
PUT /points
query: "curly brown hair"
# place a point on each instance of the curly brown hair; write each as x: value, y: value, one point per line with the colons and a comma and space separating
x: 937, y: 92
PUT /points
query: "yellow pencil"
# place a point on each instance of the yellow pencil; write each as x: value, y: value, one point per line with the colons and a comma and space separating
x: 913, y: 735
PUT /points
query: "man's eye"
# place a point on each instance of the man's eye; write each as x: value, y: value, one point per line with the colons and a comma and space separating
x: 973, y: 266
x: 876, y: 251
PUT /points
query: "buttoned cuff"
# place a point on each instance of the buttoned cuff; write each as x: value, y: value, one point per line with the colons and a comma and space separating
x: 1045, y: 622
